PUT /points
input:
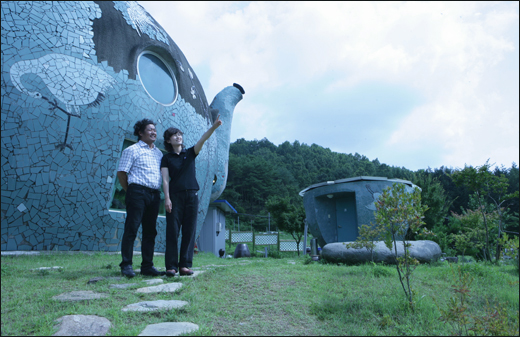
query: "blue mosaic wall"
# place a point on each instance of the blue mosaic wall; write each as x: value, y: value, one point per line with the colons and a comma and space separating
x: 71, y: 92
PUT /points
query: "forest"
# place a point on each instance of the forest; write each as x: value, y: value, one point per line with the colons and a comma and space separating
x: 260, y: 171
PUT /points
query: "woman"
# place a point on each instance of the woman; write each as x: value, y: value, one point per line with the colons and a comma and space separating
x: 180, y: 198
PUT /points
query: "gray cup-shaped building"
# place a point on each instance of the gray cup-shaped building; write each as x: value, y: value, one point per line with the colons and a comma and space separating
x: 335, y: 209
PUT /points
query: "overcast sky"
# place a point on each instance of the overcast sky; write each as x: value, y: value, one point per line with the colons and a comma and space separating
x: 415, y: 84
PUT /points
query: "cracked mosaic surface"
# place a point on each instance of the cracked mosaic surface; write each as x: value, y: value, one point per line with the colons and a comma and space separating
x: 67, y: 107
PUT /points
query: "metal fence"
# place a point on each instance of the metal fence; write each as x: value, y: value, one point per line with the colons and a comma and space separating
x: 263, y: 239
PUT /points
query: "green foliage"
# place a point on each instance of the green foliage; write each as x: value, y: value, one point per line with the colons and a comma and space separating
x: 455, y: 314
x: 381, y: 271
x: 366, y: 237
x: 511, y: 248
x: 434, y: 196
x: 495, y: 322
x: 288, y: 217
x: 484, y: 183
x: 471, y: 230
x: 258, y: 170
x: 398, y: 210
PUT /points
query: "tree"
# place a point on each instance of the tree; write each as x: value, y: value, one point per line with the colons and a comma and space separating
x: 485, y: 184
x: 396, y: 211
x: 434, y: 196
x: 289, y: 218
x: 471, y: 230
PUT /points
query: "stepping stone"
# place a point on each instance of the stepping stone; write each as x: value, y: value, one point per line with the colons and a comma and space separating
x: 155, y: 305
x: 122, y: 286
x: 48, y: 268
x: 79, y: 296
x: 163, y: 288
x: 82, y: 325
x: 154, y: 281
x: 95, y: 279
x: 169, y: 329
x: 291, y: 262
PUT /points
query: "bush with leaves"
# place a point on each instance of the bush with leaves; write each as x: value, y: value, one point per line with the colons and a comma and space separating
x: 288, y: 217
x: 496, y: 321
x: 471, y: 230
x: 398, y: 210
x: 484, y: 183
x: 511, y: 248
x: 367, y: 237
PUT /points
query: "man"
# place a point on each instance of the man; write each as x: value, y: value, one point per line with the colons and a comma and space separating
x: 140, y: 176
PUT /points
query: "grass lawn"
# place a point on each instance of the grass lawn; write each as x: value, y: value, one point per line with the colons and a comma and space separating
x: 250, y: 296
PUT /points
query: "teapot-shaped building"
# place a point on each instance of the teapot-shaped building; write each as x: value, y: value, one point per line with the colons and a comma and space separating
x: 336, y: 209
x: 76, y: 76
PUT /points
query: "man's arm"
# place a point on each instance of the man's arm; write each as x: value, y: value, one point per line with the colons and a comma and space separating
x: 123, y: 179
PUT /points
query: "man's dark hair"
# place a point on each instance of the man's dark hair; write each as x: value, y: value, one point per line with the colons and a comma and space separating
x: 167, y: 135
x: 140, y: 126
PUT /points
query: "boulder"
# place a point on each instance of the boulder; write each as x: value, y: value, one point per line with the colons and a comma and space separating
x: 422, y: 250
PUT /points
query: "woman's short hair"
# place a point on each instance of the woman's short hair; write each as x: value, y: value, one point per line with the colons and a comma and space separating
x: 167, y: 135
x: 140, y: 126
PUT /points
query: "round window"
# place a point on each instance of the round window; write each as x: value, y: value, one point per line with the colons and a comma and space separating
x: 157, y: 78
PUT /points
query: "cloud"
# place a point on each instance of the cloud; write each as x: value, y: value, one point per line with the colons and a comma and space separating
x: 461, y: 58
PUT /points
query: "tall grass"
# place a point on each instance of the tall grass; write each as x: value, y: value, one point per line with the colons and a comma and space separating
x: 249, y: 296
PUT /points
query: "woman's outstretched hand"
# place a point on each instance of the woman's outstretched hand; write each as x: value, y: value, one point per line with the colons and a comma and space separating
x: 217, y: 123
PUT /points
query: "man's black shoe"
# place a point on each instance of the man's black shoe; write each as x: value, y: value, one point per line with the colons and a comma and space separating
x: 152, y: 272
x: 127, y: 271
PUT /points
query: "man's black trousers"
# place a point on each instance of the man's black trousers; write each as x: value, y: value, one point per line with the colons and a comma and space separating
x: 142, y: 206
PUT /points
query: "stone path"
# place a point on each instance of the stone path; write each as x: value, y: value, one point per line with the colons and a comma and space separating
x: 163, y: 288
x: 155, y: 305
x: 82, y: 325
x: 82, y: 295
x: 91, y: 325
x: 169, y: 329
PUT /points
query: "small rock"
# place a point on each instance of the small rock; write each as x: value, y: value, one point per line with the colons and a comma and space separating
x: 82, y: 325
x: 163, y: 288
x: 95, y: 279
x: 154, y: 281
x: 169, y: 329
x: 48, y: 268
x: 155, y: 305
x: 79, y: 296
x: 122, y: 286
